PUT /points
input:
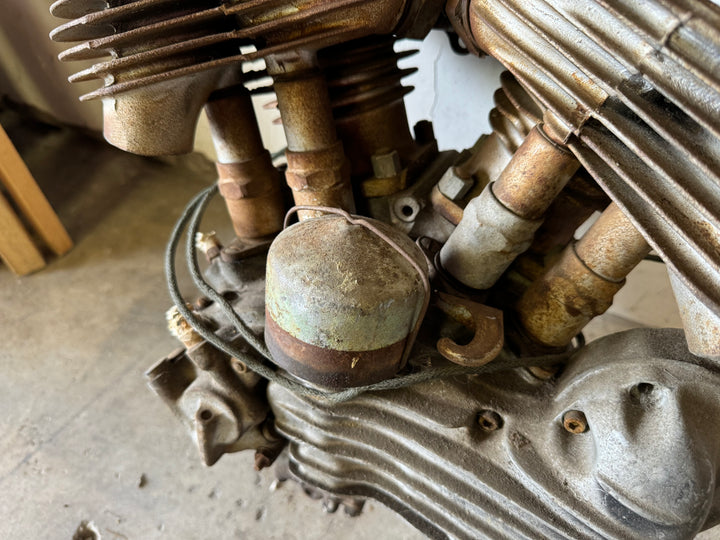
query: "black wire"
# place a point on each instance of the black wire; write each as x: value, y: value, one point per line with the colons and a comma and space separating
x: 190, y: 218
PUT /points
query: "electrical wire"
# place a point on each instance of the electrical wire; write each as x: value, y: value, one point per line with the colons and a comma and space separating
x: 190, y: 220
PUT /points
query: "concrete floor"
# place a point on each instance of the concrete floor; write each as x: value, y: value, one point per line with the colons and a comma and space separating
x: 79, y: 428
x: 81, y: 437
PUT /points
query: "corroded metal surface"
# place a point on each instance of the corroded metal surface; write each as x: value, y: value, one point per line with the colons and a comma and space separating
x: 535, y: 175
x: 633, y: 89
x: 166, y: 58
x: 702, y: 325
x: 499, y: 224
x: 583, y: 282
x: 366, y: 95
x: 486, y: 324
x: 335, y: 290
x: 486, y: 241
x: 332, y: 368
x: 425, y: 451
x: 317, y: 172
x: 613, y: 246
x: 220, y: 404
x: 628, y: 91
x: 248, y: 181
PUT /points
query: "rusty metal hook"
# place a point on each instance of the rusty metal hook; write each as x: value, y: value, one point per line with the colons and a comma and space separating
x: 484, y: 321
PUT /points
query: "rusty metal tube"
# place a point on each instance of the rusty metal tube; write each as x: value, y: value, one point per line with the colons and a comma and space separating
x: 248, y: 181
x: 499, y: 224
x: 535, y: 175
x: 615, y: 246
x: 318, y: 172
x: 583, y: 282
x: 304, y: 106
x: 233, y: 125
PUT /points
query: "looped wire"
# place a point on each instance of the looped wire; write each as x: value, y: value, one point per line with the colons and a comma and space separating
x: 190, y: 219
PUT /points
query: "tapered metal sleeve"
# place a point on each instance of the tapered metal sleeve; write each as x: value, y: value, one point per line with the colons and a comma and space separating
x: 247, y: 179
x: 583, y: 282
x: 488, y: 238
x: 615, y: 246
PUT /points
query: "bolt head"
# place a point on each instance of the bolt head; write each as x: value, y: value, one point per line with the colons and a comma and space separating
x: 454, y: 187
x: 386, y: 165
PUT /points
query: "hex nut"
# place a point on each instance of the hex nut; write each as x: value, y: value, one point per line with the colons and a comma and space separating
x: 575, y: 422
x: 489, y: 420
x: 454, y: 187
x: 386, y: 165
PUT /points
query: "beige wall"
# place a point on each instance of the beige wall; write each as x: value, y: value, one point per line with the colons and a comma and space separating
x: 29, y: 69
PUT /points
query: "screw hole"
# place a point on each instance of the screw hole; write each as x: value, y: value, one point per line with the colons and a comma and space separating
x: 489, y: 420
x: 407, y: 210
x: 239, y: 366
x: 206, y: 415
x: 644, y: 394
x: 575, y: 422
x: 230, y: 296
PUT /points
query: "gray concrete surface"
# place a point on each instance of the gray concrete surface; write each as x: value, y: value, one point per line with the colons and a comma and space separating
x: 79, y: 429
x: 81, y: 437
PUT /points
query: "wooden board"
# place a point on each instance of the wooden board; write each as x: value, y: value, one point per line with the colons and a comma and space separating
x: 16, y: 247
x: 18, y: 181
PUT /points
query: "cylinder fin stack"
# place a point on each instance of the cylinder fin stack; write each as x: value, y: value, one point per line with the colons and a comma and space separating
x: 160, y: 59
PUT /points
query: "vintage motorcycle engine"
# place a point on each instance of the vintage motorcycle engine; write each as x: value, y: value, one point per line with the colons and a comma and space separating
x: 405, y: 323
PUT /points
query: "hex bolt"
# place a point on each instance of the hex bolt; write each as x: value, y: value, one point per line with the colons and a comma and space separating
x: 454, y: 187
x: 575, y: 422
x: 489, y: 420
x: 386, y: 165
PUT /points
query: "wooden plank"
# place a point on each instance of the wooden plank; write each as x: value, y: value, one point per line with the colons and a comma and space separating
x: 16, y: 246
x: 22, y: 187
